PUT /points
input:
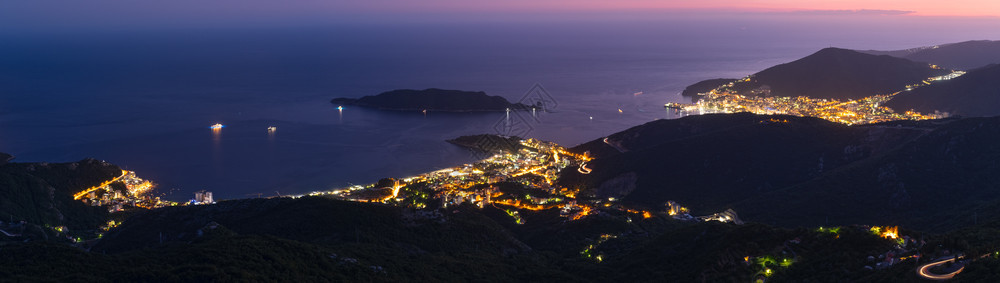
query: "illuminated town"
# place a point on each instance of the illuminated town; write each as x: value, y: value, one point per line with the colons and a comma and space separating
x: 524, y: 180
x: 122, y: 192
x: 861, y: 111
x: 518, y: 182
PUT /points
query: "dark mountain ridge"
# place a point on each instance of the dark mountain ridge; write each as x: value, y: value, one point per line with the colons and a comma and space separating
x: 836, y: 73
x: 965, y: 55
x: 977, y: 93
x: 796, y: 171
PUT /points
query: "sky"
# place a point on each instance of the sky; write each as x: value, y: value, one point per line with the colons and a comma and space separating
x: 54, y: 14
x: 916, y: 7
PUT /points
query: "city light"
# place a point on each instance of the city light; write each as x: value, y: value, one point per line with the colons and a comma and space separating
x: 866, y: 110
x: 891, y: 232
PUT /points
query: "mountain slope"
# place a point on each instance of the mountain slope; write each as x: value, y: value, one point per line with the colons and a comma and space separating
x: 41, y: 193
x: 977, y: 93
x: 794, y: 171
x: 838, y: 74
x: 965, y: 55
x: 320, y: 239
x: 704, y: 86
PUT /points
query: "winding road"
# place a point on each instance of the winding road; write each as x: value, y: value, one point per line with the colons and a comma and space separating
x: 925, y: 270
x: 619, y: 149
x: 9, y: 234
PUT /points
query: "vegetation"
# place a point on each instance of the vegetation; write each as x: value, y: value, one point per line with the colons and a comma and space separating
x: 321, y: 239
x: 913, y: 174
x: 781, y: 173
x: 41, y: 194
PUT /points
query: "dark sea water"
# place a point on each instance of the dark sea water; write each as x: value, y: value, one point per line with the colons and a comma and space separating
x: 145, y: 100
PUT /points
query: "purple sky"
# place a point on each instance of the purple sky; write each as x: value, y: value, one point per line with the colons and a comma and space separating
x: 21, y: 15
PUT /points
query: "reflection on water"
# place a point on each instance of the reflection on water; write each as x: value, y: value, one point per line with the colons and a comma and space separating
x: 217, y: 158
x: 271, y: 131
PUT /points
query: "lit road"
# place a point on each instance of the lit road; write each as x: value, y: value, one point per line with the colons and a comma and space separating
x: 9, y: 234
x: 79, y: 195
x: 613, y: 145
x: 925, y: 270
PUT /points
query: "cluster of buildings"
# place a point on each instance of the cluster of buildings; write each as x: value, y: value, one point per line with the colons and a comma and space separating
x: 861, y: 111
x: 132, y: 192
x: 679, y: 212
x: 202, y: 197
x: 128, y: 190
x: 524, y: 180
x: 906, y: 248
x: 533, y: 170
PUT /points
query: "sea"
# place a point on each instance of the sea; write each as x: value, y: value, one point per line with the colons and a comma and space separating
x: 145, y: 99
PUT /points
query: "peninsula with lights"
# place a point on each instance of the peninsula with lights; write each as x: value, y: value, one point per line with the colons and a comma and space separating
x: 433, y: 99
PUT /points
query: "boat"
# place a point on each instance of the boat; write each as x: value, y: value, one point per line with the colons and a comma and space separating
x: 271, y: 129
x: 217, y: 126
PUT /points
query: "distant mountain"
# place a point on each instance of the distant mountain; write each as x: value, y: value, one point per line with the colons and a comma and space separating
x: 839, y: 74
x: 704, y: 86
x: 977, y: 93
x: 962, y: 56
x: 432, y: 100
x: 793, y: 171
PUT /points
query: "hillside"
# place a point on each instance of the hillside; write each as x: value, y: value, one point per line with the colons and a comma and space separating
x: 837, y: 74
x: 41, y: 194
x: 936, y: 176
x: 704, y: 86
x: 965, y: 55
x: 432, y: 100
x: 794, y: 171
x: 321, y: 239
x: 977, y: 93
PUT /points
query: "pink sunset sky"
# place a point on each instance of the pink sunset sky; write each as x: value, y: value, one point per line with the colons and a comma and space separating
x: 42, y: 14
x: 973, y: 8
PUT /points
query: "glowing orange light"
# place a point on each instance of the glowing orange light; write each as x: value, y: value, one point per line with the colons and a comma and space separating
x: 891, y: 232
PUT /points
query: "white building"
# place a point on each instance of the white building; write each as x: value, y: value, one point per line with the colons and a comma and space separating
x: 203, y: 197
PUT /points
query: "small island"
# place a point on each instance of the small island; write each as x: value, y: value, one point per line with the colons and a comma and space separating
x: 433, y: 99
x: 489, y: 143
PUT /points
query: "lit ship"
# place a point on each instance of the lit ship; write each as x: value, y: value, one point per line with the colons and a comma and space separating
x: 216, y: 126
